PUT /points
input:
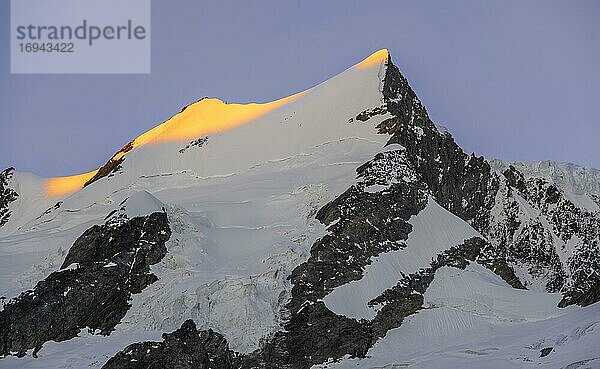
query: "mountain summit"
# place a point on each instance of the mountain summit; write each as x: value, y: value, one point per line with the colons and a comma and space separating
x: 337, y: 227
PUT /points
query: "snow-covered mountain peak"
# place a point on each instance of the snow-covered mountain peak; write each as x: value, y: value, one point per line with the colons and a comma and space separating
x: 210, y: 116
x: 312, y: 231
x: 376, y: 59
x: 211, y: 137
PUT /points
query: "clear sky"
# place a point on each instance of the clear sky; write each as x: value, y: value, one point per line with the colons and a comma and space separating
x: 509, y: 79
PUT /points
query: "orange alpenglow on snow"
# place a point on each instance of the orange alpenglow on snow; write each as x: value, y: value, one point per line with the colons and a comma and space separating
x: 208, y: 116
x: 60, y: 186
x: 376, y: 59
x: 205, y: 117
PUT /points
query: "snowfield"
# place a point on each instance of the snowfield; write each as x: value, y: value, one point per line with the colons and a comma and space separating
x: 474, y: 319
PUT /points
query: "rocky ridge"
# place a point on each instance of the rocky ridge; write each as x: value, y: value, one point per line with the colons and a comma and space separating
x: 103, y: 268
x: 7, y: 195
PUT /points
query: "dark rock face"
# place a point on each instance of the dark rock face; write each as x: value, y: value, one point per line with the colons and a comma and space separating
x: 103, y: 268
x: 528, y: 243
x: 198, y: 143
x: 596, y: 199
x: 112, y: 165
x: 365, y: 115
x: 7, y: 195
x: 570, y: 222
x: 532, y: 241
x: 546, y: 351
x: 466, y: 186
x: 185, y: 348
x: 368, y: 224
x: 491, y: 259
x: 585, y: 296
x: 463, y: 184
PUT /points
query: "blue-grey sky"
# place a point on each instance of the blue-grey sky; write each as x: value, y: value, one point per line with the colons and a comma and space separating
x: 510, y: 79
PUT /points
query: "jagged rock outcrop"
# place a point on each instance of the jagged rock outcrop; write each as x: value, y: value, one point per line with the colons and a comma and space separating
x: 112, y: 165
x: 536, y: 225
x: 567, y: 176
x: 362, y: 225
x: 467, y: 186
x: 185, y: 348
x: 198, y: 143
x: 104, y: 267
x: 464, y: 184
x: 7, y: 194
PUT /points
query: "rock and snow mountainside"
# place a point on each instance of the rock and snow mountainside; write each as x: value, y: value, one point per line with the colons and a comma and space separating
x: 335, y: 228
x: 7, y: 195
x: 571, y: 178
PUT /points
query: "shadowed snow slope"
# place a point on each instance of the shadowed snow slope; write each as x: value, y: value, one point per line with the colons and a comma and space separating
x: 435, y: 229
x: 474, y: 319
